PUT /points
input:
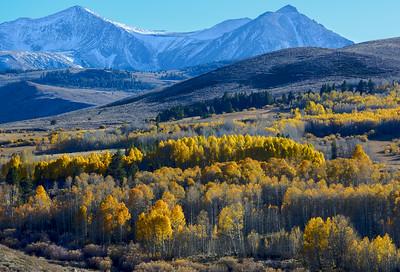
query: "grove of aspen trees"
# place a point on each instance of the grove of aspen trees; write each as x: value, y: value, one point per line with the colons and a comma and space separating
x: 235, y: 199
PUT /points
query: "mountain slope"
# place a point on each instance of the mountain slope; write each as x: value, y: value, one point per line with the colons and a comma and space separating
x: 88, y: 40
x: 220, y: 29
x: 13, y: 260
x: 384, y: 49
x: 25, y: 60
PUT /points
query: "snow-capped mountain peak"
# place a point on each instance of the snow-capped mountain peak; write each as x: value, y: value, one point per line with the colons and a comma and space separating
x: 78, y: 10
x: 69, y: 13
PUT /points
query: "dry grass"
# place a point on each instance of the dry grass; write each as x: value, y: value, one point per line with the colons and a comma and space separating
x: 12, y: 260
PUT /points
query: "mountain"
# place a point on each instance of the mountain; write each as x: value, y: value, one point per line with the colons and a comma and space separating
x: 91, y: 40
x: 286, y: 28
x: 86, y: 39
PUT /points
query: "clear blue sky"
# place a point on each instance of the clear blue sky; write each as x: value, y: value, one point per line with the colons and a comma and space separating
x: 359, y: 20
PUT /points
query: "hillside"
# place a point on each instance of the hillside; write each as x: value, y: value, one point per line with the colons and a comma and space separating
x: 12, y: 260
x: 384, y: 49
x: 292, y: 66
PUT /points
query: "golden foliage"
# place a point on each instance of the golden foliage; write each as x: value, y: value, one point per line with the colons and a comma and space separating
x: 133, y: 155
x: 316, y: 235
x: 199, y: 150
x: 230, y: 220
x: 154, y: 227
x: 114, y: 214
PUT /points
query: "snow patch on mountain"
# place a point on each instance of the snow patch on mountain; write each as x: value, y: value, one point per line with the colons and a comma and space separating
x: 219, y: 29
x: 24, y: 60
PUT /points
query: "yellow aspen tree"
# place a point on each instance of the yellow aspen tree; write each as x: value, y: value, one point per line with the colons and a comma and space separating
x: 316, y: 234
x: 41, y: 201
x: 38, y: 208
x: 133, y: 155
x: 85, y: 216
x: 230, y: 223
x: 154, y: 229
x: 360, y: 155
x: 114, y: 214
x: 384, y: 250
x: 230, y: 220
x: 14, y: 162
x: 178, y: 220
